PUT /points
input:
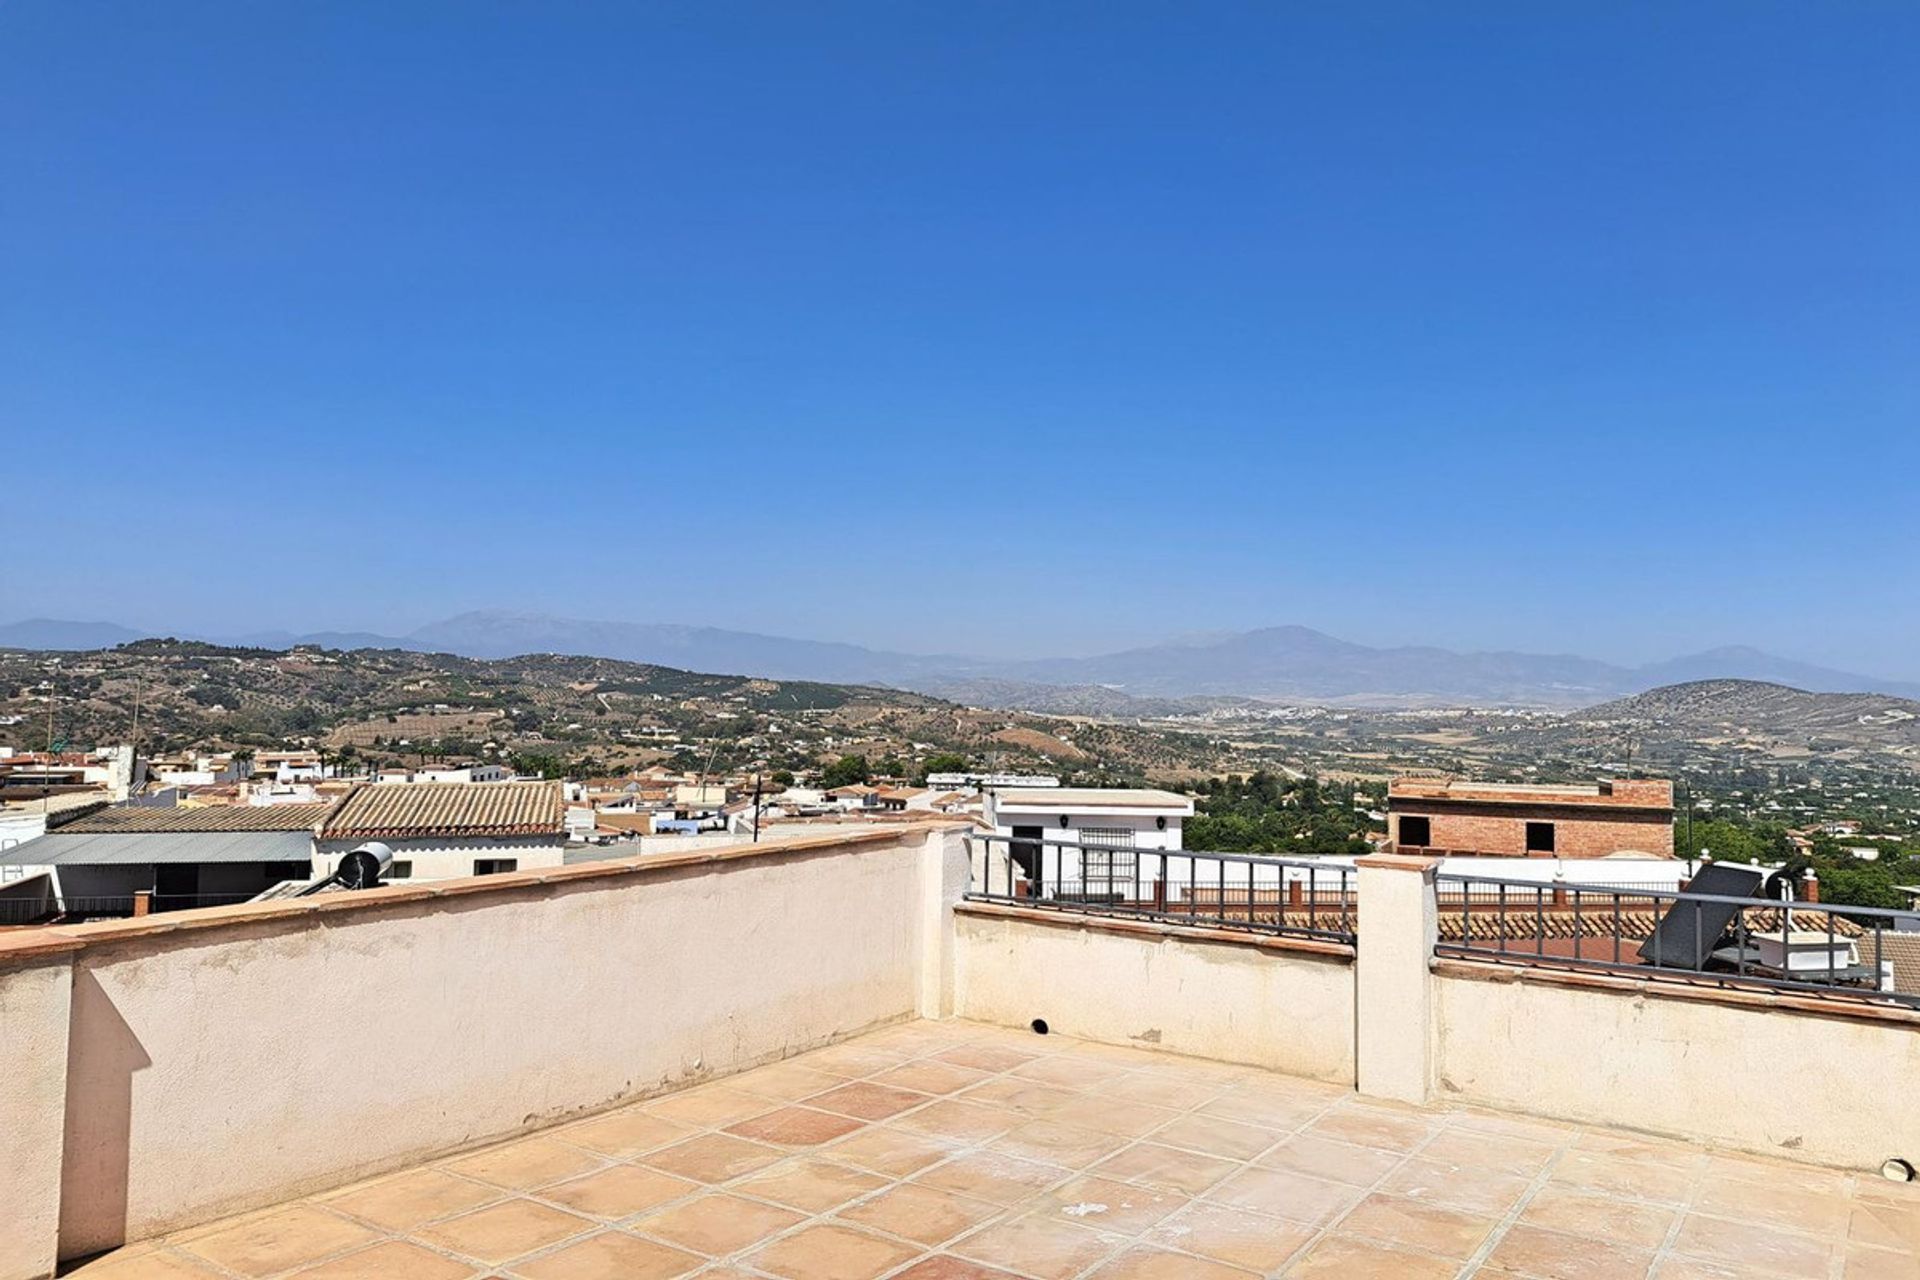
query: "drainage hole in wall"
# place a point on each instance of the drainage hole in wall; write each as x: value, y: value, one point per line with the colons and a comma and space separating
x: 1039, y: 1026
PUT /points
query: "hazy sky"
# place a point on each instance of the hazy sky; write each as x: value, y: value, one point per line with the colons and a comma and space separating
x: 1008, y: 328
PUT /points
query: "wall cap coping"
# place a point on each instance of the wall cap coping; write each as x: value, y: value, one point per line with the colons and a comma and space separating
x: 1156, y: 929
x: 1672, y: 988
x: 27, y: 945
x: 1398, y: 862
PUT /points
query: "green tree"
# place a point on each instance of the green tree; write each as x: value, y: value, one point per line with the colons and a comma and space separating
x: 846, y: 772
x: 945, y: 762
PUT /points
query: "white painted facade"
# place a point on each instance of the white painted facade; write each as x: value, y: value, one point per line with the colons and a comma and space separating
x: 448, y: 857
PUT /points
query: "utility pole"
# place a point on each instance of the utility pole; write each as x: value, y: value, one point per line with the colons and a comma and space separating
x: 756, y: 806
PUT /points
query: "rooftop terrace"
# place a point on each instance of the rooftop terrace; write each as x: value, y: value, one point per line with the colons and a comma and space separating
x: 956, y: 1150
x: 821, y: 1061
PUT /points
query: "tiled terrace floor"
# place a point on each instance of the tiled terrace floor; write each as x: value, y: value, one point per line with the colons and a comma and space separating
x: 951, y: 1151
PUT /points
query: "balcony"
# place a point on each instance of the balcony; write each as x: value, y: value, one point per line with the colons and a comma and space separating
x: 821, y: 1060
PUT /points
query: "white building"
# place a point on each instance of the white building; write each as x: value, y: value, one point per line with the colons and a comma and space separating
x: 439, y: 830
x: 1124, y: 826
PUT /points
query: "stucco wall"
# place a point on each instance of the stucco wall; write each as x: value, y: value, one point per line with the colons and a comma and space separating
x: 33, y: 1099
x: 1738, y: 1073
x: 1233, y: 999
x: 215, y: 1067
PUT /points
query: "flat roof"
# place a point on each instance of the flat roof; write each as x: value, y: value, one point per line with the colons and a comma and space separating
x: 138, y: 848
x: 1095, y: 798
x: 1628, y: 793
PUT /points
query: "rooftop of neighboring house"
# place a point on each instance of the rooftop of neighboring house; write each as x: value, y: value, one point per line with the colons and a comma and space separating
x: 134, y: 819
x: 1652, y: 794
x: 1069, y: 798
x: 448, y: 809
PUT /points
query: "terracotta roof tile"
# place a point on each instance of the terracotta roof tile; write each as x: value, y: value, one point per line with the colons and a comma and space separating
x: 405, y: 810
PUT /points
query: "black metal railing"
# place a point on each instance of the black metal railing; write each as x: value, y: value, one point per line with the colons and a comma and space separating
x: 76, y: 907
x: 1673, y: 935
x: 1289, y: 897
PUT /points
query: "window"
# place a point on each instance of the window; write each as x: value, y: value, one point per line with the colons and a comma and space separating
x: 1539, y: 837
x: 1108, y: 863
x: 1416, y: 832
x: 494, y: 866
x: 400, y: 871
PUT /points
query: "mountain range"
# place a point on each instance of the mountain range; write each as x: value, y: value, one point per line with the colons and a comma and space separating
x: 1286, y: 663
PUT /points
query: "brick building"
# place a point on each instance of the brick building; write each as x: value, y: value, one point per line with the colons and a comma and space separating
x: 1625, y: 815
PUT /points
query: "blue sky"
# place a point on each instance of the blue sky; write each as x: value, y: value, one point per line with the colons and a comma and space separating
x: 1004, y: 328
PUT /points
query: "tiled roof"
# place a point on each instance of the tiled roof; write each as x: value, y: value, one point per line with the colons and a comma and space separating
x: 448, y: 809
x: 128, y: 819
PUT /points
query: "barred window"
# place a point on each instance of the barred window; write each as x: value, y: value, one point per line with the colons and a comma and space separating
x: 1107, y: 862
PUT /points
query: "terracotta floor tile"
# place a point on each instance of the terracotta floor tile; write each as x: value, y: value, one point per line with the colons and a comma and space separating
x: 713, y: 1157
x: 279, y: 1241
x: 1623, y: 1176
x: 1066, y: 1145
x: 1585, y: 1213
x: 710, y: 1106
x: 1266, y: 1109
x: 785, y: 1081
x: 994, y: 1176
x: 1789, y: 1203
x: 925, y: 1214
x: 796, y: 1127
x: 1553, y: 1255
x: 1484, y: 1191
x: 611, y: 1255
x: 1547, y: 1131
x: 1288, y: 1195
x: 1764, y: 1171
x: 1369, y: 1128
x: 947, y: 1267
x: 989, y: 1058
x: 1162, y: 1090
x: 1675, y: 1267
x: 504, y: 1231
x: 829, y: 1252
x: 1487, y: 1151
x: 1077, y: 1074
x: 716, y: 1223
x: 958, y: 1119
x: 1882, y: 1225
x: 1217, y: 1136
x: 627, y: 1133
x: 1338, y: 1257
x: 1038, y: 1245
x: 1418, y: 1225
x: 526, y: 1164
x: 1113, y: 1115
x: 1640, y: 1149
x: 811, y: 1185
x: 618, y: 1191
x: 1145, y: 1262
x: 854, y: 1060
x: 404, y: 1202
x: 1166, y: 1168
x: 866, y: 1100
x: 1880, y: 1264
x: 1024, y: 1097
x: 388, y: 1261
x: 134, y: 1264
x: 1111, y: 1206
x: 930, y: 1076
x: 1334, y: 1161
x: 1763, y: 1250
x: 897, y: 1153
x: 1233, y: 1235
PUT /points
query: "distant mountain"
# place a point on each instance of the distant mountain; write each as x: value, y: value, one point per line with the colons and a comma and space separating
x: 1757, y: 711
x: 1299, y: 663
x: 1740, y: 662
x: 56, y: 633
x: 500, y: 634
x: 1275, y: 664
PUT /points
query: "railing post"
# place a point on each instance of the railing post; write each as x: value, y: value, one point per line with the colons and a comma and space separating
x: 1393, y: 996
